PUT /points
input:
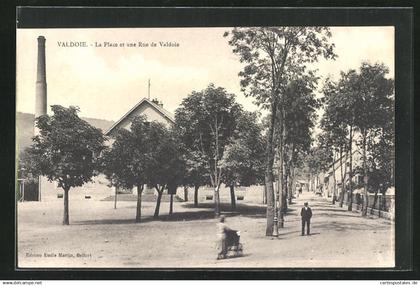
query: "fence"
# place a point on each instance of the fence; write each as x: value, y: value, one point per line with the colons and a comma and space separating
x: 27, y: 190
x: 382, y: 205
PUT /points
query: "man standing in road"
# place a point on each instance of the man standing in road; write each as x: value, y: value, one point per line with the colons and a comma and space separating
x: 306, y: 214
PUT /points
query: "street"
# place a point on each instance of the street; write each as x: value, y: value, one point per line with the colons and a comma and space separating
x: 99, y: 236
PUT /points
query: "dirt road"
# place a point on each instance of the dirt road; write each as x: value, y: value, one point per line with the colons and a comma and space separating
x: 100, y: 236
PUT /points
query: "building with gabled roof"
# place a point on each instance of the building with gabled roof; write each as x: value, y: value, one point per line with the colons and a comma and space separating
x: 99, y: 189
x: 152, y: 109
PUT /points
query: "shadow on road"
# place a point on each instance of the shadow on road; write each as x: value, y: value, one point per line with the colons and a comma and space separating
x: 251, y: 211
x: 175, y: 217
x: 203, y: 211
x: 323, y: 218
x: 104, y: 222
x: 343, y: 226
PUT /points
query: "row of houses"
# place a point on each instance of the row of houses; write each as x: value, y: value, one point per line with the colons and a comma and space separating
x: 330, y: 183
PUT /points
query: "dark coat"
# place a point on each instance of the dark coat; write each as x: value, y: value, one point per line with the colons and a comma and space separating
x: 306, y: 214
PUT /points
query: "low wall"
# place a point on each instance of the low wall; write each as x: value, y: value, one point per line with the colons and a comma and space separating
x: 252, y: 194
x: 99, y: 190
x: 383, y: 208
x: 96, y: 190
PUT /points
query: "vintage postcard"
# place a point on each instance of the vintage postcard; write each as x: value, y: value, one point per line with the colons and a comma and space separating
x: 227, y: 147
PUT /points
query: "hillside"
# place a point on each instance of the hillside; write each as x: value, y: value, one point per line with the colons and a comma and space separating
x: 24, y: 128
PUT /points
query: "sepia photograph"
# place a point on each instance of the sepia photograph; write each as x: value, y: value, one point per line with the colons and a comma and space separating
x: 205, y: 147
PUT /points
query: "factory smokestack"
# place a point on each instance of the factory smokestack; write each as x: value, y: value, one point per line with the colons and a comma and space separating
x: 41, y: 83
x: 40, y: 93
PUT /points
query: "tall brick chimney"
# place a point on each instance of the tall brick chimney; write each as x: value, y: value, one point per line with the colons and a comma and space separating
x: 40, y: 92
x: 41, y: 83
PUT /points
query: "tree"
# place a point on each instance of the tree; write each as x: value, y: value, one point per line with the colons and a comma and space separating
x: 27, y: 171
x: 149, y: 154
x: 195, y: 172
x: 381, y: 147
x: 341, y: 119
x: 381, y: 161
x: 320, y: 158
x: 66, y: 150
x: 374, y: 100
x: 273, y: 55
x: 166, y: 166
x: 358, y: 107
x: 126, y: 163
x: 334, y: 130
x: 206, y: 121
x: 295, y: 140
x: 244, y: 158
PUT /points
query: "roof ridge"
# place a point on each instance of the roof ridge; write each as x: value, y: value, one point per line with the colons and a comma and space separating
x: 163, y: 111
x: 166, y: 112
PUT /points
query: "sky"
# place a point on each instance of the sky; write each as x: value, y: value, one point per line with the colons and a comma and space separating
x: 106, y: 82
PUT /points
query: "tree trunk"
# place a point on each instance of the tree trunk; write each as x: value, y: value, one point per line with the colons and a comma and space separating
x: 264, y: 198
x: 232, y: 197
x: 286, y: 193
x: 159, y: 198
x: 138, y: 210
x: 171, y: 204
x: 334, y: 181
x: 115, y: 198
x: 291, y: 184
x: 186, y: 193
x: 310, y: 182
x: 196, y: 195
x: 217, y: 201
x: 270, y: 202
x: 375, y: 201
x: 350, y: 202
x: 217, y: 172
x: 39, y: 188
x: 280, y: 193
x: 277, y: 207
x: 281, y: 189
x: 343, y: 175
x: 285, y: 187
x: 268, y: 177
x: 66, y: 218
x: 365, y: 177
x: 283, y: 208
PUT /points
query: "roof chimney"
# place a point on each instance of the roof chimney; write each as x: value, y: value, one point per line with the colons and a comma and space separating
x: 157, y: 102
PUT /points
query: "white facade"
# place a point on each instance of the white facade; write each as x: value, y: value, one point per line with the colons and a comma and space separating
x: 145, y: 107
x: 99, y: 188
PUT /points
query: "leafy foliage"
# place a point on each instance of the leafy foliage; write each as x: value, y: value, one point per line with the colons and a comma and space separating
x: 362, y: 101
x: 126, y: 163
x: 148, y: 153
x: 243, y: 161
x: 273, y: 57
x: 27, y: 166
x: 205, y: 122
x: 67, y: 148
x: 299, y: 119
